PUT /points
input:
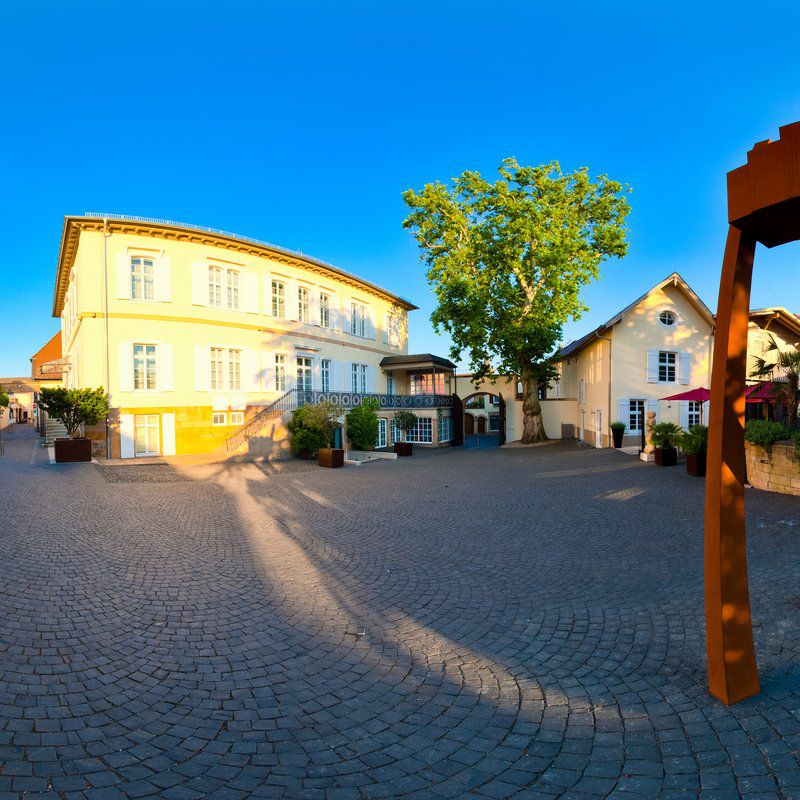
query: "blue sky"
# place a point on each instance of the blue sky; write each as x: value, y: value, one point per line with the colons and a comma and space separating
x: 301, y: 123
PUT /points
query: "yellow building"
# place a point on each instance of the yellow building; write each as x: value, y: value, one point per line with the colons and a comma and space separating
x: 206, y: 339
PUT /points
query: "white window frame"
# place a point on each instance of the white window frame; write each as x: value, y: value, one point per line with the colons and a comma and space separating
x: 664, y: 363
x: 359, y: 378
x: 215, y: 287
x: 280, y: 372
x: 278, y: 299
x: 219, y: 418
x: 672, y: 313
x: 422, y: 433
x: 145, y: 283
x: 324, y: 310
x: 235, y: 369
x: 232, y: 283
x: 216, y: 362
x: 304, y: 373
x: 632, y: 410
x: 390, y: 385
x: 146, y: 357
x: 237, y: 418
x: 358, y: 319
x: 446, y: 428
x: 303, y: 304
x: 694, y: 411
x: 149, y: 425
x: 382, y: 427
x: 325, y: 374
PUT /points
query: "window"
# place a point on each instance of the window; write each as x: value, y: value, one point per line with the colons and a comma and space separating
x: 667, y: 318
x: 359, y: 378
x: 666, y: 367
x: 520, y: 392
x: 695, y: 410
x: 237, y: 417
x: 325, y: 374
x: 233, y: 289
x: 142, y: 279
x: 304, y: 374
x: 423, y: 383
x: 358, y: 319
x: 636, y: 416
x: 145, y: 435
x: 390, y: 384
x: 325, y: 310
x: 215, y: 287
x: 494, y: 422
x: 235, y: 370
x: 278, y: 299
x: 392, y: 323
x: 217, y: 368
x: 218, y: 418
x: 144, y: 366
x: 381, y: 440
x: 446, y: 429
x: 280, y: 372
x: 302, y: 304
x: 423, y: 432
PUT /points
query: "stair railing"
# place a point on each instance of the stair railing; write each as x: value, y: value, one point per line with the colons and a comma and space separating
x: 286, y: 402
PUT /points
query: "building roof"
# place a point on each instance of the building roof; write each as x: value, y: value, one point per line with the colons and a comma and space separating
x: 417, y: 359
x: 178, y: 231
x: 779, y: 313
x: 675, y: 279
x: 41, y: 367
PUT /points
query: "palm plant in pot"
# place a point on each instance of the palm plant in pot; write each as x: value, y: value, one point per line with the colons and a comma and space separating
x: 694, y: 444
x: 617, y: 432
x: 665, y: 437
x: 74, y: 408
x: 404, y: 421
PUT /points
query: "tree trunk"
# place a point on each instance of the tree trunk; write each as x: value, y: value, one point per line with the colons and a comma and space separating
x: 532, y: 424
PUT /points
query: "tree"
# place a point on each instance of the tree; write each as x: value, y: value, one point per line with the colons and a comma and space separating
x: 312, y: 427
x: 787, y: 364
x: 405, y: 421
x: 74, y: 407
x: 362, y: 424
x: 507, y: 261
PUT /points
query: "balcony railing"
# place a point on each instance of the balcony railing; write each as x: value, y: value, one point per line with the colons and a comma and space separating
x: 352, y: 399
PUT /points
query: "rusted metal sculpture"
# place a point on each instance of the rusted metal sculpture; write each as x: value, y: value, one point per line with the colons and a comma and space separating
x: 763, y: 206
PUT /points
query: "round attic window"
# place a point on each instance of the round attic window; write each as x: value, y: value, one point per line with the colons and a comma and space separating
x: 667, y: 318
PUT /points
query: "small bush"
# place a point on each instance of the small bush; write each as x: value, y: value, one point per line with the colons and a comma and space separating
x: 311, y: 428
x: 362, y: 425
x: 695, y: 441
x: 405, y: 421
x: 618, y: 426
x: 666, y: 434
x: 764, y: 433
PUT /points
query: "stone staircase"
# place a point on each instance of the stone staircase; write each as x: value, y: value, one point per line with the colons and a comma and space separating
x: 55, y: 430
x: 238, y: 442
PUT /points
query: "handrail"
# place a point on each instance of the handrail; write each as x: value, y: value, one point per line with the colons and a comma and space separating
x: 286, y: 402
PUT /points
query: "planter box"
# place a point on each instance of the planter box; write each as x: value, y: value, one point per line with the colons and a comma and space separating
x: 330, y: 457
x: 72, y: 450
x: 696, y: 465
x: 666, y: 456
x: 617, y: 434
x: 403, y: 448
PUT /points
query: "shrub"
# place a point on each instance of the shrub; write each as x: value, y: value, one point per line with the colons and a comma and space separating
x: 694, y: 441
x: 362, y: 425
x: 764, y: 433
x: 796, y: 440
x: 665, y: 434
x: 311, y: 427
x: 405, y: 421
x: 74, y: 407
x: 618, y: 426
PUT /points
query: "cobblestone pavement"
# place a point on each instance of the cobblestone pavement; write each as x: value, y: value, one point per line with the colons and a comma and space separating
x: 519, y: 623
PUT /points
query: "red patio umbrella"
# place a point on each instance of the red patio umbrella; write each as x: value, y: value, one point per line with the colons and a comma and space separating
x: 700, y: 395
x: 761, y: 392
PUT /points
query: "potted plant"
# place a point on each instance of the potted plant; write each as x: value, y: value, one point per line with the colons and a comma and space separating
x: 362, y: 424
x: 311, y: 428
x: 665, y: 436
x: 404, y: 421
x: 618, y: 431
x: 694, y: 444
x: 74, y: 408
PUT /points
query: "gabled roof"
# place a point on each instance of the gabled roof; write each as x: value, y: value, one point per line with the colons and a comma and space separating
x: 41, y: 370
x: 674, y: 279
x: 422, y: 359
x: 179, y: 231
x: 779, y: 313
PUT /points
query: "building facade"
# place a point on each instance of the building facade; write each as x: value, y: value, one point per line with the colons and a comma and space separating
x: 197, y: 333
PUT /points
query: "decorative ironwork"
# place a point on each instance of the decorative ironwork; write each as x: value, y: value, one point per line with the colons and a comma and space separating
x: 286, y: 402
x: 353, y: 399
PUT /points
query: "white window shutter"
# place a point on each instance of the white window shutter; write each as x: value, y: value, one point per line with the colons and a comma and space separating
x: 163, y: 281
x: 165, y: 374
x: 372, y: 379
x: 168, y: 434
x: 268, y: 370
x: 386, y: 323
x: 248, y: 292
x: 341, y: 376
x: 684, y: 415
x: 370, y: 322
x: 125, y: 367
x: 292, y: 306
x: 685, y: 368
x: 202, y: 368
x: 316, y: 375
x: 126, y: 435
x: 313, y: 305
x: 652, y: 405
x: 252, y: 377
x: 123, y: 276
x: 199, y: 283
x: 346, y: 315
x: 652, y: 366
x: 335, y: 313
x: 625, y: 411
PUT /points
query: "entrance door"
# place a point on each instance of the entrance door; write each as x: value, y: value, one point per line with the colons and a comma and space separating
x: 481, y: 424
x: 598, y: 428
x: 145, y: 435
x: 469, y: 424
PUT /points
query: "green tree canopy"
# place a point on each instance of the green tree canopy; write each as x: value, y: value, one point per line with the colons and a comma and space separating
x: 507, y: 261
x: 74, y: 407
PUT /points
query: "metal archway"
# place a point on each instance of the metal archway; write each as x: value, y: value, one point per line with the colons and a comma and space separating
x: 763, y: 206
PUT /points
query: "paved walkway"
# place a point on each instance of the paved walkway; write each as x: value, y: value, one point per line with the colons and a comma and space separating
x: 494, y: 623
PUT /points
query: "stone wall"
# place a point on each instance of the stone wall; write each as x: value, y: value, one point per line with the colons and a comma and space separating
x: 774, y: 469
